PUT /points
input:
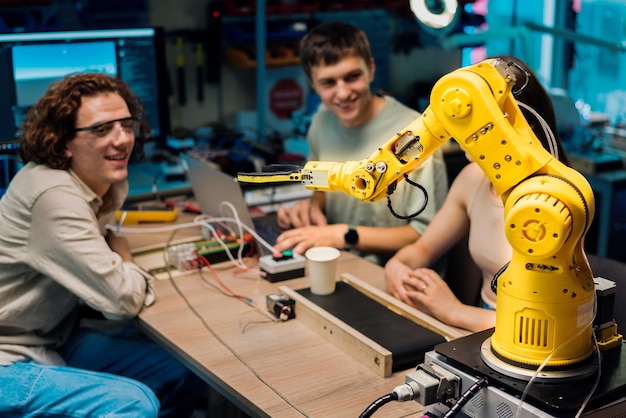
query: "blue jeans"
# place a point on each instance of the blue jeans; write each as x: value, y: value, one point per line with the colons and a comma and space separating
x: 105, y: 376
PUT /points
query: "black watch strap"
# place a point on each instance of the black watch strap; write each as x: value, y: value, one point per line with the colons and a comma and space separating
x: 351, y: 237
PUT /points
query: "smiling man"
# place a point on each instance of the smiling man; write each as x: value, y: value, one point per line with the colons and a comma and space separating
x: 353, y: 122
x: 56, y: 255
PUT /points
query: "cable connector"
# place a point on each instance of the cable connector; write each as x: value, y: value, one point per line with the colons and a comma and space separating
x: 281, y: 306
x: 434, y: 383
x: 183, y: 256
x: 407, y: 392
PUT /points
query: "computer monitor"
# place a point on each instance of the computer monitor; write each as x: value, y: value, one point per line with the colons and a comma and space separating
x: 30, y: 62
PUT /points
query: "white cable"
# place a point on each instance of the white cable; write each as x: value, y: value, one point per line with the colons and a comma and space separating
x: 121, y: 221
x: 565, y: 343
x: 200, y: 221
x: 236, y: 261
x: 239, y: 224
x: 206, y: 222
x: 553, y: 149
x: 596, y: 382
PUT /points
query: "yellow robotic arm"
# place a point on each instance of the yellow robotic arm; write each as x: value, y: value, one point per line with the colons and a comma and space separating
x: 368, y: 179
x: 546, y: 294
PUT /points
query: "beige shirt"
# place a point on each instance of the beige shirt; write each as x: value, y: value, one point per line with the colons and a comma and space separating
x: 487, y: 243
x: 53, y: 254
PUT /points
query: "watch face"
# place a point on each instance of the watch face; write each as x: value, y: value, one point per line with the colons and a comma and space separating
x: 351, y: 237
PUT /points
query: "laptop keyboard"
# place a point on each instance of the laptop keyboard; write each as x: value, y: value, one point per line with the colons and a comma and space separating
x: 267, y: 227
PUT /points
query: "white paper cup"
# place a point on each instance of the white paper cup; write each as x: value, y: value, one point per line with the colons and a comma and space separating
x: 322, y: 263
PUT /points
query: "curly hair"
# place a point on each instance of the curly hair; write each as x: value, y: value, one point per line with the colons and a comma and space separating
x: 50, y: 123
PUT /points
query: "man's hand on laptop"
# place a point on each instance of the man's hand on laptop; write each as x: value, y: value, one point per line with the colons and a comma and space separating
x: 301, y: 239
x: 299, y: 215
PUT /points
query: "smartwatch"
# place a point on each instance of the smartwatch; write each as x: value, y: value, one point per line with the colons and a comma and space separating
x: 351, y: 237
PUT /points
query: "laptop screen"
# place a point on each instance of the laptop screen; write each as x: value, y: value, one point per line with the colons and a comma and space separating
x: 212, y: 188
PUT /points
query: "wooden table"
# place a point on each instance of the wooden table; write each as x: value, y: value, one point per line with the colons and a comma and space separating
x: 268, y: 369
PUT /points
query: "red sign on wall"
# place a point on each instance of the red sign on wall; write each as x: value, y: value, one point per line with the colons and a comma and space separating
x: 285, y: 97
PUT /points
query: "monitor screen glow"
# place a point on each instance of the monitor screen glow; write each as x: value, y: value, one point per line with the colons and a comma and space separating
x: 30, y: 62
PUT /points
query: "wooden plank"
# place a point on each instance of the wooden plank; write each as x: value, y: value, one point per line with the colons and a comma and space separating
x: 363, y: 349
x: 366, y: 351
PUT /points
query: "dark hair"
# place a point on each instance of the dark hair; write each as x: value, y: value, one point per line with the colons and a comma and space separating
x: 49, y: 125
x: 528, y: 90
x: 329, y: 42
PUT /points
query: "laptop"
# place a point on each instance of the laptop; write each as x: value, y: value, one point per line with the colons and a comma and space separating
x: 212, y: 187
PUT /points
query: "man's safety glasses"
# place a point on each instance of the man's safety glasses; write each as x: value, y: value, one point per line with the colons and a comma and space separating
x: 129, y: 125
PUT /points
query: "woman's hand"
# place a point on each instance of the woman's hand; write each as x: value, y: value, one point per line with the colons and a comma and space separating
x: 432, y: 295
x: 397, y: 278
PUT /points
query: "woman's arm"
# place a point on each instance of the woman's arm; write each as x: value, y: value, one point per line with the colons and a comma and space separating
x: 432, y: 295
